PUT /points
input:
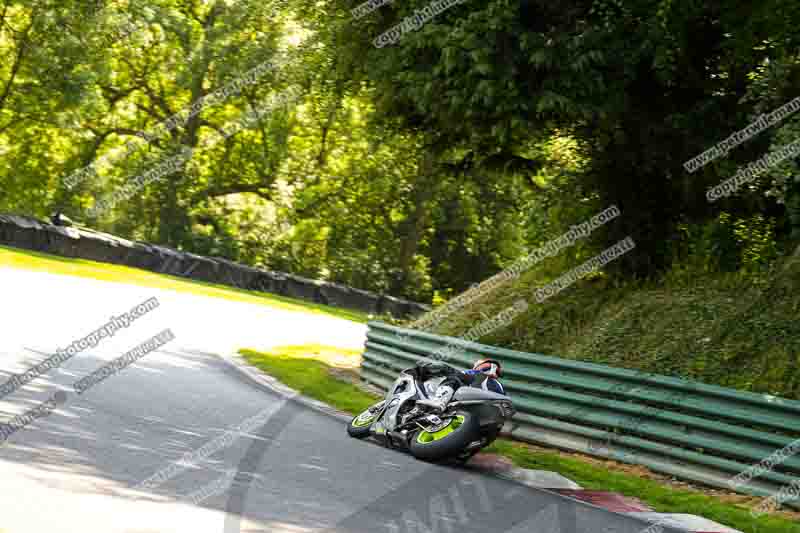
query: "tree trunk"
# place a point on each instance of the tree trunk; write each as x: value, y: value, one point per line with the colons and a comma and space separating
x: 412, y: 228
x: 168, y: 222
x: 648, y: 203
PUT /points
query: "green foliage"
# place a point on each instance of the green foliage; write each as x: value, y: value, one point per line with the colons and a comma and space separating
x: 756, y: 238
x: 728, y: 244
x: 416, y: 169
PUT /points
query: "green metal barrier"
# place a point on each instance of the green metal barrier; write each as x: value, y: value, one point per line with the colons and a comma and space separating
x: 690, y: 430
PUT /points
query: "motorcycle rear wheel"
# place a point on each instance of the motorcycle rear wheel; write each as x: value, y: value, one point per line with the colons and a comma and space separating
x: 448, y: 442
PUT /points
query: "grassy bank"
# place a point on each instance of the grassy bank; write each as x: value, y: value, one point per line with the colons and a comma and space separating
x: 691, y: 323
x: 53, y: 264
x: 308, y: 370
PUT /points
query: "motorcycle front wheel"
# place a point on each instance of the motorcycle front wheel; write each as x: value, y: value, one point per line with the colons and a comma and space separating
x: 359, y: 426
x: 447, y: 442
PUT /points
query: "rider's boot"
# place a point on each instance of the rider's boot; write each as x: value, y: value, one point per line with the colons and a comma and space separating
x: 440, y: 400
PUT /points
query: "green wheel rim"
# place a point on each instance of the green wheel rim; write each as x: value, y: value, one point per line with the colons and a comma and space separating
x: 425, y: 437
x: 364, y: 419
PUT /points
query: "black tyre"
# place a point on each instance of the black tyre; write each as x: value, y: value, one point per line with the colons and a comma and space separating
x: 359, y: 426
x: 448, y: 442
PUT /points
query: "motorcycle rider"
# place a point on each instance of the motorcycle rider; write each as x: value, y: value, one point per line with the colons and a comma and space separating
x: 484, y: 374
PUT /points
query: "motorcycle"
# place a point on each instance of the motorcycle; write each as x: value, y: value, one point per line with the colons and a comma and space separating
x: 471, y: 420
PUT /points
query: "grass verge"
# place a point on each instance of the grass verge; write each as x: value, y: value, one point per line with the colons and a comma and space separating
x: 53, y: 264
x: 311, y: 377
x: 299, y: 368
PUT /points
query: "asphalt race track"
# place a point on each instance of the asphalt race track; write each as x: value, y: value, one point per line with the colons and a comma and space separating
x: 77, y: 469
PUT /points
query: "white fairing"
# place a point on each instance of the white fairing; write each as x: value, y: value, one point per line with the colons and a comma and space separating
x: 403, y: 390
x: 432, y: 384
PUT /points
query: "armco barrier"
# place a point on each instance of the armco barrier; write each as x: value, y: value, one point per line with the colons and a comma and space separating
x: 686, y: 429
x: 32, y: 234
